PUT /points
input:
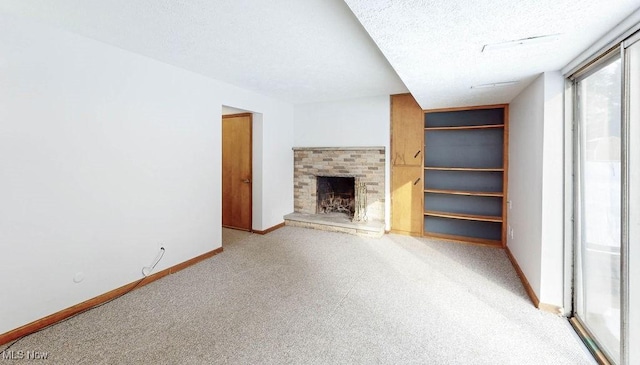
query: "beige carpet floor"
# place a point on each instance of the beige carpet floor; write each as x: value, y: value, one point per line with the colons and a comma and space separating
x: 300, y: 296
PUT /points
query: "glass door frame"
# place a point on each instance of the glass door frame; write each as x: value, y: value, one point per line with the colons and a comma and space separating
x: 631, y: 229
x: 574, y: 195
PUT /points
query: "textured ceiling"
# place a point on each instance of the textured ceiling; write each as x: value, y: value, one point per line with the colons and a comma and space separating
x: 293, y: 50
x: 435, y: 46
x: 317, y: 50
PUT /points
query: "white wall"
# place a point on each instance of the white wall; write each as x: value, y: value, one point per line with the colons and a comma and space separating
x: 347, y: 123
x: 536, y: 185
x: 552, y: 238
x: 526, y: 118
x: 106, y: 155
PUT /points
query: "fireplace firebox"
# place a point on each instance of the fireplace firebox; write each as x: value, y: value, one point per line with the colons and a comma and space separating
x: 335, y: 195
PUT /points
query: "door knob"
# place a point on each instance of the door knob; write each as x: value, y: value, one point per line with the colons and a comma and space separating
x: 246, y: 181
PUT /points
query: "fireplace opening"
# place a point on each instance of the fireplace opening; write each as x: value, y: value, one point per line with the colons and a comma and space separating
x: 336, y: 195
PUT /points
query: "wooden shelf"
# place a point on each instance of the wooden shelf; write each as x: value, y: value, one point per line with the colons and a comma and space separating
x: 478, y: 169
x: 465, y: 193
x: 465, y: 127
x: 468, y: 217
x: 465, y: 239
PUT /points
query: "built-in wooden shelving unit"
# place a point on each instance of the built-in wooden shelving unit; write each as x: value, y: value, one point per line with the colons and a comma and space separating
x: 449, y: 171
x: 465, y: 178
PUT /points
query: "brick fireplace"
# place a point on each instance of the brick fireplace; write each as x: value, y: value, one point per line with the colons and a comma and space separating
x: 364, y: 164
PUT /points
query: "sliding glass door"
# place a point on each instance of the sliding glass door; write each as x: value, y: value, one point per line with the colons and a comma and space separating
x: 606, y: 197
x: 598, y: 202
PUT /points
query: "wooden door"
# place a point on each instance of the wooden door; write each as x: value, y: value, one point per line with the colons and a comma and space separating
x: 236, y: 171
x: 407, y: 129
x: 407, y: 200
